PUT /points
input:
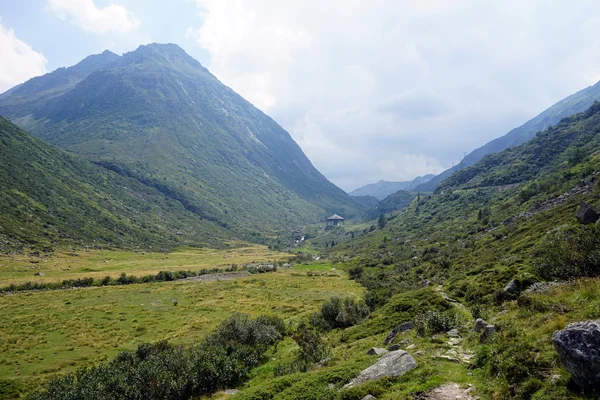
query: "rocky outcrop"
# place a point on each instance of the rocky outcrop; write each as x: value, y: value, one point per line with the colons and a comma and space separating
x: 377, y: 351
x: 511, y: 288
x: 586, y: 214
x: 449, y: 391
x: 399, y: 329
x: 393, y: 364
x: 479, y: 325
x: 578, y: 346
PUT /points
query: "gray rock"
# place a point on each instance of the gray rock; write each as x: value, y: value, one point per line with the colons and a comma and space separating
x: 393, y: 365
x: 586, y: 214
x: 420, y: 353
x: 399, y: 329
x: 447, y: 358
x: 230, y: 391
x: 39, y: 273
x: 411, y: 346
x: 377, y: 351
x: 488, y: 333
x: 453, y: 333
x: 479, y: 325
x: 394, y: 347
x: 510, y: 288
x: 369, y: 397
x: 578, y: 346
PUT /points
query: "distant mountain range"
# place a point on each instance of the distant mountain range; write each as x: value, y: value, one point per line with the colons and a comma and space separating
x: 157, y: 117
x: 382, y: 189
x: 571, y: 105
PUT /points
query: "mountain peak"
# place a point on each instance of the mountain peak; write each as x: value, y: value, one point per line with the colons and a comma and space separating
x: 162, y: 53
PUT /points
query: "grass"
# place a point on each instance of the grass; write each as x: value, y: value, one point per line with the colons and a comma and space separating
x: 98, y: 264
x: 51, y: 332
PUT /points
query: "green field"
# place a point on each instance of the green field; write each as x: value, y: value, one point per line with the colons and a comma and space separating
x: 49, y: 332
x: 98, y: 264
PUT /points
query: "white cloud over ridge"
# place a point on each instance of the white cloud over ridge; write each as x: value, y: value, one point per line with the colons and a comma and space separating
x: 392, y: 89
x: 87, y: 16
x: 19, y: 61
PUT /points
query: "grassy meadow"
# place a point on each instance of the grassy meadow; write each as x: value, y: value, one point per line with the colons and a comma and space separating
x: 48, y: 332
x: 17, y: 269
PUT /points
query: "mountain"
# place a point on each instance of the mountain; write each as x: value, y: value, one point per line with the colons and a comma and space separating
x: 156, y: 115
x: 367, y: 202
x: 571, y: 105
x: 50, y: 197
x: 566, y: 143
x: 395, y: 201
x: 382, y: 189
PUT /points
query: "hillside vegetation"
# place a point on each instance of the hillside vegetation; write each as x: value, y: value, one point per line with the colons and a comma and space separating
x: 50, y: 198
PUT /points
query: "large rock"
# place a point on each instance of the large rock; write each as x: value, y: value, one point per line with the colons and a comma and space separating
x: 586, y: 214
x: 377, y: 351
x: 578, y: 346
x: 393, y: 364
x: 510, y: 288
x: 479, y: 325
x: 399, y: 329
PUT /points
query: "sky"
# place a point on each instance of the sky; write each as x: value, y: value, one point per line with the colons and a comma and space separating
x: 370, y: 89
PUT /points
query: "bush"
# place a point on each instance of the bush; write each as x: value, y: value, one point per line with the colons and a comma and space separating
x: 163, y: 371
x: 312, y: 349
x: 571, y: 254
x: 432, y: 322
x: 339, y: 313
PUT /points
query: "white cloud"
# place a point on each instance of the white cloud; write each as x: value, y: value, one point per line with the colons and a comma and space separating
x: 86, y: 15
x: 392, y: 89
x: 19, y: 61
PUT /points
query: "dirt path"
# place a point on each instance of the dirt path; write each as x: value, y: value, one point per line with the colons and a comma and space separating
x: 448, y: 391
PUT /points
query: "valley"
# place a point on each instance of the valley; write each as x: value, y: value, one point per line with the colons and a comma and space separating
x: 163, y: 238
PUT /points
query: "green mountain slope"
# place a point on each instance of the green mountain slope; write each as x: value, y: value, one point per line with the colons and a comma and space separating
x: 50, y: 198
x: 382, y: 189
x: 158, y: 116
x: 395, y: 201
x: 571, y: 105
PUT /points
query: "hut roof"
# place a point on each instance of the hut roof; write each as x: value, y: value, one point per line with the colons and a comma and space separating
x: 335, y: 217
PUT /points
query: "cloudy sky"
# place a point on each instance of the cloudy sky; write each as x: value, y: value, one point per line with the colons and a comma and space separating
x: 370, y: 89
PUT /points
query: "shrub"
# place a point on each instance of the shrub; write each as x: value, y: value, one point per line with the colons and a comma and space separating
x: 432, y: 322
x: 165, y: 371
x: 312, y: 349
x: 340, y: 313
x: 571, y: 254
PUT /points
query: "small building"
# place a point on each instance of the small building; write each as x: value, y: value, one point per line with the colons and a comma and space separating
x: 335, y: 220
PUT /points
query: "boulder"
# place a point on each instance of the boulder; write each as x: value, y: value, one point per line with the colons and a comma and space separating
x: 377, y: 351
x: 488, y: 333
x: 586, y: 214
x: 369, y: 397
x: 510, y: 288
x: 39, y: 273
x: 453, y: 333
x: 578, y: 346
x: 479, y: 325
x: 395, y: 347
x: 393, y: 364
x: 399, y: 329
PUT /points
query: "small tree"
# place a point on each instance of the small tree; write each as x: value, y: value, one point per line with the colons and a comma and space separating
x: 381, y: 223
